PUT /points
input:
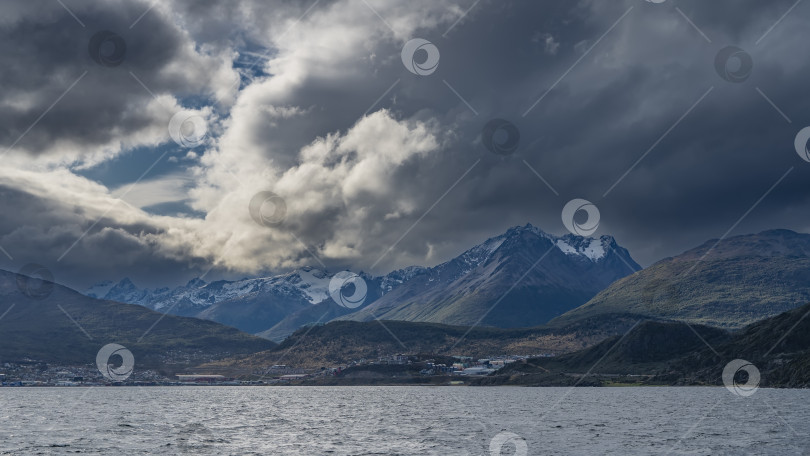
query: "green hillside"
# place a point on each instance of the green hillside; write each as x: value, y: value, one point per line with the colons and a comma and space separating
x: 743, y: 280
x: 658, y: 353
x: 341, y: 342
x: 69, y: 328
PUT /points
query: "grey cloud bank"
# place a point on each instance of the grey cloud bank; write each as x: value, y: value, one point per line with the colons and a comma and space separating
x: 591, y: 87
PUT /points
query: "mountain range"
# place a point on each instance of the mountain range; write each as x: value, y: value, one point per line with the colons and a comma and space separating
x: 522, y: 278
x: 65, y: 327
x: 533, y: 276
x: 522, y: 292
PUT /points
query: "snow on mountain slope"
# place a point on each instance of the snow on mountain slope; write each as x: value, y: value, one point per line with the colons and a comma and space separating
x: 313, y: 284
x: 309, y: 284
x: 266, y: 298
x: 506, y: 270
x: 593, y: 249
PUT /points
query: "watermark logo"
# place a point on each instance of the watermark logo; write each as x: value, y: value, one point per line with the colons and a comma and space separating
x: 115, y: 374
x: 733, y: 64
x: 348, y: 289
x: 508, y: 438
x: 800, y: 143
x: 500, y: 137
x: 741, y: 377
x: 35, y: 281
x: 267, y: 209
x: 569, y: 213
x: 656, y: 1
x: 188, y: 129
x: 107, y: 48
x: 423, y: 64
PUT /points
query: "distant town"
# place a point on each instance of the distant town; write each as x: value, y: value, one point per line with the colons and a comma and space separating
x: 445, y: 369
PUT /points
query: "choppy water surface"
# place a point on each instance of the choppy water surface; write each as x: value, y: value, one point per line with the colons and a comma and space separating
x: 402, y: 421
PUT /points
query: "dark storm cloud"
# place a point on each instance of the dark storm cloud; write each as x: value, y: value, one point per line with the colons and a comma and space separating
x: 611, y: 108
x: 42, y: 231
x: 48, y: 55
x: 597, y: 117
x: 592, y: 126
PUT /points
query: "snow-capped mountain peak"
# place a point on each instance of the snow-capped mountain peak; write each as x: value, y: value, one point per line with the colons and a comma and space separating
x: 593, y: 249
x: 586, y: 247
x: 307, y: 284
x: 312, y: 281
x: 256, y: 304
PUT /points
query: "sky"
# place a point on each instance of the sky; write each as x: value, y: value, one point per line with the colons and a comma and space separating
x: 168, y: 140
